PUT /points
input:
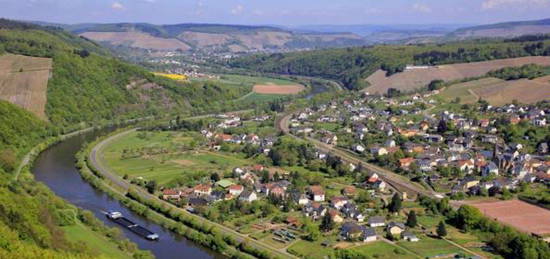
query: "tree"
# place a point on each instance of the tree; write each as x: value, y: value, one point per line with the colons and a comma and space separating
x: 395, y: 204
x: 215, y: 177
x: 441, y: 229
x: 326, y: 223
x: 151, y: 186
x: 411, y: 219
x: 435, y: 84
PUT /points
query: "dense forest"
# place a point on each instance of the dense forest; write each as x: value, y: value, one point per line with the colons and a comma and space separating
x: 88, y: 84
x: 351, y: 65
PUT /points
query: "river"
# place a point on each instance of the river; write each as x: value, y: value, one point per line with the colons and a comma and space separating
x: 55, y: 167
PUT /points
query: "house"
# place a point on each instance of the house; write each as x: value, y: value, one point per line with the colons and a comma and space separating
x: 350, y: 231
x: 316, y: 193
x: 335, y: 216
x: 338, y: 202
x: 299, y: 198
x: 379, y: 151
x: 236, y: 189
x: 489, y: 169
x: 358, y: 148
x: 171, y: 194
x: 406, y: 162
x: 293, y: 222
x: 409, y: 236
x: 376, y: 221
x: 349, y: 191
x: 395, y: 228
x: 314, y: 210
x: 248, y: 196
x: 202, y: 189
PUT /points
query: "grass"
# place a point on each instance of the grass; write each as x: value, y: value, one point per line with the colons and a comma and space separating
x: 428, y: 247
x: 95, y: 241
x: 164, y: 167
x: 463, y: 90
x: 258, y: 98
x: 252, y: 80
x: 383, y: 250
x: 307, y: 249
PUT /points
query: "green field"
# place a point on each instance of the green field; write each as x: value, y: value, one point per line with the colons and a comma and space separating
x: 464, y: 91
x: 252, y: 80
x: 383, y: 250
x: 95, y: 241
x: 307, y: 249
x: 172, y: 163
x: 428, y: 247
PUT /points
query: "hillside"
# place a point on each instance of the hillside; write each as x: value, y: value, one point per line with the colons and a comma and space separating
x: 414, y: 79
x: 352, y: 65
x: 87, y: 84
x: 503, y: 30
x: 211, y: 37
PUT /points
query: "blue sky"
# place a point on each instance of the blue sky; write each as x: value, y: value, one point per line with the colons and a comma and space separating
x: 282, y: 12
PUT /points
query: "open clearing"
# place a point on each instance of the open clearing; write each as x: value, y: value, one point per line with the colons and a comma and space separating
x: 500, y: 92
x: 277, y: 89
x: 24, y: 80
x: 521, y: 215
x: 417, y: 78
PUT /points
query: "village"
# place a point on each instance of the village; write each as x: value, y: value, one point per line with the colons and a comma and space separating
x: 239, y: 171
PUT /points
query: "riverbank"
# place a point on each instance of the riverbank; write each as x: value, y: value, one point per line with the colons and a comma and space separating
x: 194, y: 227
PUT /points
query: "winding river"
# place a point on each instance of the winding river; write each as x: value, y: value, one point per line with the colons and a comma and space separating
x: 55, y: 167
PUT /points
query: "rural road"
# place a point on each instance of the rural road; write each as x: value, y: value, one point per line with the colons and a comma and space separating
x: 96, y: 160
x: 396, y: 181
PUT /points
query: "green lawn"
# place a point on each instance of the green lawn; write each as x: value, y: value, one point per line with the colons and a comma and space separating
x: 262, y: 98
x: 94, y: 240
x: 251, y: 80
x: 307, y: 249
x: 428, y: 247
x: 383, y: 250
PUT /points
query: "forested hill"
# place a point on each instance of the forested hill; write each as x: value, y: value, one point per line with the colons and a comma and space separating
x: 88, y: 84
x: 351, y: 65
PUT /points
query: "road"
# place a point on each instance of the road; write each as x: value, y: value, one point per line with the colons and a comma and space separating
x: 398, y: 182
x: 97, y: 162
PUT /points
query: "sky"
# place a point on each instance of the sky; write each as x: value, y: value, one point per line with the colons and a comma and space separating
x: 277, y: 12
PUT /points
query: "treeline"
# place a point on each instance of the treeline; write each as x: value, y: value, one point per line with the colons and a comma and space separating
x: 351, y: 66
x: 529, y: 71
x: 506, y: 241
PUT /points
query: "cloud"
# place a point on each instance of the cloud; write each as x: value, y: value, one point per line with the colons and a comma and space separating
x: 492, y: 4
x: 422, y: 8
x: 237, y: 10
x: 117, y: 6
x: 258, y: 12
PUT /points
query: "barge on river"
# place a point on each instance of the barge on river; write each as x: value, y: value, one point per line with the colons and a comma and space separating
x: 132, y: 226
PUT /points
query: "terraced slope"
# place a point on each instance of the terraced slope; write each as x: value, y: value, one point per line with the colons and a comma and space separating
x: 24, y: 80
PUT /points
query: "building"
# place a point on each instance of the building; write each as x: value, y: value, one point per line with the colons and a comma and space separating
x: 395, y: 228
x: 236, y: 189
x: 248, y: 196
x: 317, y: 193
x: 409, y: 236
x: 350, y: 231
x: 376, y: 221
x: 171, y: 194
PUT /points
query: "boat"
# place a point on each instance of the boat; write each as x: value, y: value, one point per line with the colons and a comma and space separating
x: 132, y: 226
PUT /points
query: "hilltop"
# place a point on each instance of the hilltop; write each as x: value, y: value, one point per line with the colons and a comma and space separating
x: 211, y: 37
x: 503, y: 30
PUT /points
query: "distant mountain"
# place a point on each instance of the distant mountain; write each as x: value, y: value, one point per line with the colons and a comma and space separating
x: 212, y: 37
x: 503, y: 30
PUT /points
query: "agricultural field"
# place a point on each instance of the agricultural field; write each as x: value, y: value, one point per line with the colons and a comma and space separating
x: 177, y: 77
x: 166, y: 156
x: 24, y: 80
x: 383, y: 250
x: 278, y: 89
x: 499, y: 92
x: 518, y: 214
x: 417, y: 78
